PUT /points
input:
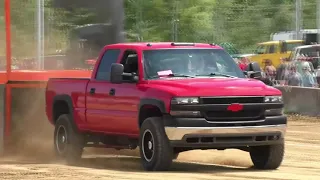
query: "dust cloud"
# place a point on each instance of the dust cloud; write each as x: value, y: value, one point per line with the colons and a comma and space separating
x: 31, y: 133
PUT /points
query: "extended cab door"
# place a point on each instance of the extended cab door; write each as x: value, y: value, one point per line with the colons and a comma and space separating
x: 98, y: 113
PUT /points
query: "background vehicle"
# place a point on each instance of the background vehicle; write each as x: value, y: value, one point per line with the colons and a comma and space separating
x: 309, y: 36
x: 310, y: 53
x: 165, y: 104
x: 274, y: 50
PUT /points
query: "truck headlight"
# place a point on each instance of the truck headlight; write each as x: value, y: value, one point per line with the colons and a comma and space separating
x: 273, y: 99
x: 185, y: 100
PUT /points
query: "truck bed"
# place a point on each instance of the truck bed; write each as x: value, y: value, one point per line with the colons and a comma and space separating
x: 75, y: 88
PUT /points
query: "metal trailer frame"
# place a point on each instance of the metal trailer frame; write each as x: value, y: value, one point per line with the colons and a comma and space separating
x: 22, y: 79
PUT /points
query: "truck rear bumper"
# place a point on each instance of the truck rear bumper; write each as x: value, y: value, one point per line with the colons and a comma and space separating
x: 225, y: 137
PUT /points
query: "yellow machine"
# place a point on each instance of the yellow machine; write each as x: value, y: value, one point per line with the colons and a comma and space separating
x: 274, y: 50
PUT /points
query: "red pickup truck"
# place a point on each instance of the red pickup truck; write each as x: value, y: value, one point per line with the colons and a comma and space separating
x: 167, y: 98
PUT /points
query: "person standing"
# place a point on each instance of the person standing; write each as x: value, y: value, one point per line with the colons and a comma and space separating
x: 270, y: 70
x: 294, y: 78
x: 307, y: 78
x: 281, y: 70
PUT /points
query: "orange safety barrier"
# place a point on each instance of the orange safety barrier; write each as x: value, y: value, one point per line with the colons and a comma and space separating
x: 24, y: 78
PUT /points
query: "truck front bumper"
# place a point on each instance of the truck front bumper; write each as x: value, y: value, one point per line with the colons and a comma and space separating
x: 210, y: 136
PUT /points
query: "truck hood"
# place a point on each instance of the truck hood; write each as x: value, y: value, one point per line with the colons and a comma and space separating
x: 214, y: 87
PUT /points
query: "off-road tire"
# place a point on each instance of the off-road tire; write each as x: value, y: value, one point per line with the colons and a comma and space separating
x: 74, y: 141
x: 162, y: 157
x: 267, y: 157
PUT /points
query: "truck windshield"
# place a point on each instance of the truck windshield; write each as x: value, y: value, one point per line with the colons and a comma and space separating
x: 189, y: 63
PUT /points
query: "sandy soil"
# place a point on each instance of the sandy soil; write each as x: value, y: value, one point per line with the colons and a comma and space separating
x: 302, y: 161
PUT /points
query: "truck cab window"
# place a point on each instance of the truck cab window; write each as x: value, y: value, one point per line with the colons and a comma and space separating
x: 130, y: 63
x: 109, y: 57
x: 261, y: 49
x: 271, y: 49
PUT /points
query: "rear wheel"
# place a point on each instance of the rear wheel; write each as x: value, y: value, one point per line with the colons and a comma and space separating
x: 155, y: 150
x: 68, y: 143
x: 267, y: 157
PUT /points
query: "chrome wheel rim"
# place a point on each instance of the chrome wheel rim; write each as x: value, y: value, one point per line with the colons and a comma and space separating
x: 61, y: 139
x: 147, y: 145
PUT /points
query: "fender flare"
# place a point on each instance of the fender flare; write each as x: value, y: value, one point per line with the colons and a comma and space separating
x: 66, y: 98
x: 154, y: 102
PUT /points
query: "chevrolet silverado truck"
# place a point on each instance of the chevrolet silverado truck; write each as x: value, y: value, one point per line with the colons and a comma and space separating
x: 167, y: 98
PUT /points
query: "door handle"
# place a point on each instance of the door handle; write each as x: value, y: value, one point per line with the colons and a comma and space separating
x: 92, y: 90
x: 112, y: 92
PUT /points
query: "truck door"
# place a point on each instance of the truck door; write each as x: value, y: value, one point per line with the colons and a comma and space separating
x: 98, y: 113
x: 274, y: 54
x: 126, y: 97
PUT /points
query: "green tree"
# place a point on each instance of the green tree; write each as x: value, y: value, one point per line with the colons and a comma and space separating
x: 242, y: 22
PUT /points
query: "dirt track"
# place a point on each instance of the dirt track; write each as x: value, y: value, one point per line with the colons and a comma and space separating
x: 301, y: 162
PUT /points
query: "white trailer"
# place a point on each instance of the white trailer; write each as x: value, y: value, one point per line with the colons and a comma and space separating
x: 308, y: 35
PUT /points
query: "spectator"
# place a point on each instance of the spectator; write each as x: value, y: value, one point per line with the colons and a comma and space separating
x: 294, y: 78
x: 307, y: 78
x: 281, y: 70
x: 243, y: 63
x: 270, y: 70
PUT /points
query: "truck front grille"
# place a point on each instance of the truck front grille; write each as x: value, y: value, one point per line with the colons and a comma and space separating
x: 245, y: 115
x: 224, y: 116
x: 230, y: 100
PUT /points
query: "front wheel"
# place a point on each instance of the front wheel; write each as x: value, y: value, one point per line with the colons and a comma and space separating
x: 267, y: 157
x: 155, y: 149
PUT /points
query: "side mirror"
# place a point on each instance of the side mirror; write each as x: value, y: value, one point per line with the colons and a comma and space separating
x: 116, y: 73
x: 254, y: 66
x: 253, y: 70
x: 130, y: 77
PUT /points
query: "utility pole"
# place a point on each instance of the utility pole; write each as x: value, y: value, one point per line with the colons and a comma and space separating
x: 141, y: 23
x: 298, y: 19
x: 175, y: 22
x: 40, y: 33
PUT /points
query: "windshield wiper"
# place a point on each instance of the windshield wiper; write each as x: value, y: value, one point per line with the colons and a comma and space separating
x: 179, y: 75
x: 172, y: 75
x: 216, y: 74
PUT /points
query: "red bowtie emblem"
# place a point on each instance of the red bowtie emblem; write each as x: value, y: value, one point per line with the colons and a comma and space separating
x: 235, y: 107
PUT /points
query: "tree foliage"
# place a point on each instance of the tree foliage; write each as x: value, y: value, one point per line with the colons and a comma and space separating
x: 241, y: 22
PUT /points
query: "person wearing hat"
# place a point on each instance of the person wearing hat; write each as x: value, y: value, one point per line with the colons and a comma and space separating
x: 307, y: 78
